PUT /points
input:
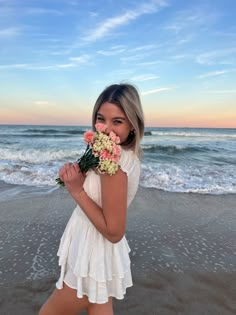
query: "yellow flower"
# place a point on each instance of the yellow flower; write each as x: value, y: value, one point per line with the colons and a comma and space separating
x: 108, y: 166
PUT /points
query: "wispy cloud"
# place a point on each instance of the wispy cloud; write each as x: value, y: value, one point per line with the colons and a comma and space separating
x: 112, y: 23
x: 136, y: 57
x: 190, y: 19
x: 41, y: 11
x: 215, y: 73
x: 66, y: 65
x: 80, y: 59
x: 144, y: 47
x: 112, y: 51
x: 9, y: 32
x: 73, y: 62
x: 233, y: 91
x: 13, y: 9
x: 181, y: 57
x: 184, y: 40
x: 145, y: 77
x: 14, y: 66
x: 41, y: 103
x: 154, y: 91
x: 149, y: 63
x: 217, y: 56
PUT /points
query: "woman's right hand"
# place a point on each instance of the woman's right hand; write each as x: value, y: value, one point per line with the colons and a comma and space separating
x: 72, y: 177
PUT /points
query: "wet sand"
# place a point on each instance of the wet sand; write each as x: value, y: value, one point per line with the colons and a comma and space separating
x: 183, y: 252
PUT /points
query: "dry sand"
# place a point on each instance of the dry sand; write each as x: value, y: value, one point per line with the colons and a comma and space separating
x: 183, y: 252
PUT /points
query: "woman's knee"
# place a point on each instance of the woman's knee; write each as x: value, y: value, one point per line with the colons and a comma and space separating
x: 64, y: 302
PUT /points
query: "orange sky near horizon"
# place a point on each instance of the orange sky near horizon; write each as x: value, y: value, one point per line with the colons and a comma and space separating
x: 43, y: 116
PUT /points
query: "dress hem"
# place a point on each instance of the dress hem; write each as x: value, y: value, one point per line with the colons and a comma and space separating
x: 86, y: 294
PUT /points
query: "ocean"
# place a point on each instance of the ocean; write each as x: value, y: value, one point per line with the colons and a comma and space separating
x: 198, y: 160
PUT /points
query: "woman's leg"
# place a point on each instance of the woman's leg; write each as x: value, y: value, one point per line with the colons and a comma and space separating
x: 101, y: 309
x: 64, y: 302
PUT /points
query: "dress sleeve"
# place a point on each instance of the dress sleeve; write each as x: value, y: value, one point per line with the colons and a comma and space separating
x: 129, y: 162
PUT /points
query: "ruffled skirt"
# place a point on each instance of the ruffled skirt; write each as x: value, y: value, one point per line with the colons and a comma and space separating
x: 90, y: 263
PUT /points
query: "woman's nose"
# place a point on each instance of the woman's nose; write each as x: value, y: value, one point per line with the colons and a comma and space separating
x: 108, y: 129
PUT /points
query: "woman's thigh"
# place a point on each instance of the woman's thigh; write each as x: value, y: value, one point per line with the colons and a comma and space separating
x: 64, y: 302
x: 100, y: 309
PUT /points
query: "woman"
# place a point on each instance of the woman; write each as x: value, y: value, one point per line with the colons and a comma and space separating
x: 94, y: 253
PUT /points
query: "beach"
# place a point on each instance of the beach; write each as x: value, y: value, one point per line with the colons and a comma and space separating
x: 183, y: 251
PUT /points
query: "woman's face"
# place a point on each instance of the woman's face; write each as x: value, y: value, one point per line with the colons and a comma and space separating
x: 115, y: 120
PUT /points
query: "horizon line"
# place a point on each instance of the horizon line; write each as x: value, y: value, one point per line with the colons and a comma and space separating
x: 61, y: 125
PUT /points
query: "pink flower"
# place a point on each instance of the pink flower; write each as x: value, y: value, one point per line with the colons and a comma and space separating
x: 105, y: 155
x: 114, y: 137
x: 101, y: 127
x: 89, y: 136
x: 115, y: 158
x: 116, y: 150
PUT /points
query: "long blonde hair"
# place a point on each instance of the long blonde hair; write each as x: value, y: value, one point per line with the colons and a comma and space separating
x: 126, y: 97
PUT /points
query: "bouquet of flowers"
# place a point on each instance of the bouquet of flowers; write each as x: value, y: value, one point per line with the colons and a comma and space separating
x: 102, y: 152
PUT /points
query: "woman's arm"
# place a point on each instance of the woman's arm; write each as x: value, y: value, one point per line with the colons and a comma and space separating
x: 110, y: 220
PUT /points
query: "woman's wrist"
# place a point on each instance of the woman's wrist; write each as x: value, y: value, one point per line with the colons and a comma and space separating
x: 77, y: 194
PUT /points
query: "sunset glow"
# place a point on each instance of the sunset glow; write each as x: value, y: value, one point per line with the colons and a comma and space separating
x: 57, y: 57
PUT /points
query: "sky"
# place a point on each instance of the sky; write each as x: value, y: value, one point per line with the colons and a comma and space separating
x: 56, y: 57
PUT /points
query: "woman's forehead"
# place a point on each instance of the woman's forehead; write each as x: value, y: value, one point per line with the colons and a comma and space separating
x: 110, y: 108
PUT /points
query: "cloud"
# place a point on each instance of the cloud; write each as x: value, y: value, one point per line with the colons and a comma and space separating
x: 111, y: 52
x: 41, y: 11
x: 144, y: 47
x: 80, y: 59
x: 14, y: 66
x: 9, y: 32
x: 213, y: 57
x: 191, y: 19
x: 215, y: 73
x: 110, y: 24
x: 66, y: 65
x: 149, y: 63
x: 144, y: 77
x: 133, y: 58
x: 74, y: 62
x: 15, y: 9
x: 43, y: 103
x: 154, y: 91
x: 222, y: 91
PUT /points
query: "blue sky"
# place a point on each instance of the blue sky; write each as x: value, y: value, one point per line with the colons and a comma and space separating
x: 56, y: 56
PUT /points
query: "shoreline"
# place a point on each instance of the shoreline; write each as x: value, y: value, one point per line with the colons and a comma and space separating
x: 7, y: 191
x: 183, y: 252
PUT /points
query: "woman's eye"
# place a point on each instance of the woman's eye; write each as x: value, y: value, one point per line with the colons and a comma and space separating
x: 100, y: 119
x: 117, y: 122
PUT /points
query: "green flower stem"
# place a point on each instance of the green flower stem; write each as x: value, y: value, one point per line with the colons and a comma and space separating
x: 85, y: 162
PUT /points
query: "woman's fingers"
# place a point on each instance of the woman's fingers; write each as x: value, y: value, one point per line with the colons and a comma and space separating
x: 68, y: 170
x: 76, y: 167
x: 64, y: 170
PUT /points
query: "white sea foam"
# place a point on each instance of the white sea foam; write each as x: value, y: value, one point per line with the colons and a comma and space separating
x: 38, y: 155
x: 192, y: 134
x: 189, y: 178
x: 175, y: 159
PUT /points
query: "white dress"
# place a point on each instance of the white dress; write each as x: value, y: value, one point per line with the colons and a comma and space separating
x: 90, y: 263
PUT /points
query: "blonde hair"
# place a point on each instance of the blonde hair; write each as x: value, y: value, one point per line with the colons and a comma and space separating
x: 126, y: 97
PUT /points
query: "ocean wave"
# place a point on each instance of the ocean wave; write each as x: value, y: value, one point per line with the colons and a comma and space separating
x: 38, y: 156
x: 53, y: 131
x: 41, y: 135
x: 195, y: 179
x: 164, y: 176
x: 173, y: 149
x: 147, y: 133
x: 191, y: 134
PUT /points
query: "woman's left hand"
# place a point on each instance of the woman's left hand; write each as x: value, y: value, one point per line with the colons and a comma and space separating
x: 72, y: 177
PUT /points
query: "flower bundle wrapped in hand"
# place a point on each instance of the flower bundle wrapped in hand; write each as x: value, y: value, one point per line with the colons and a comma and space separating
x: 102, y: 152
